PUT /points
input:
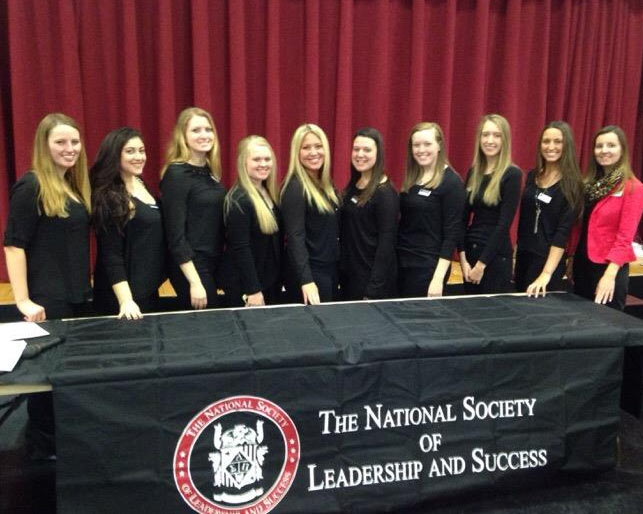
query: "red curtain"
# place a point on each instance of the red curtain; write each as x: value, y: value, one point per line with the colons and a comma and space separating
x: 266, y: 66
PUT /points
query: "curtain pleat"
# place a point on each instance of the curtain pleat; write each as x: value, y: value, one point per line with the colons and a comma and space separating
x: 266, y: 66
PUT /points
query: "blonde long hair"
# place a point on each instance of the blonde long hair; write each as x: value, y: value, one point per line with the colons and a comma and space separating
x: 319, y: 193
x: 478, y: 167
x: 53, y: 195
x: 413, y: 169
x: 178, y: 149
x: 265, y: 217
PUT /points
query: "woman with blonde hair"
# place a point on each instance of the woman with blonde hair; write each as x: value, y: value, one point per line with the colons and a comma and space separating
x: 309, y: 206
x: 192, y: 203
x: 47, y: 236
x: 613, y: 206
x: 253, y: 252
x: 431, y: 205
x: 493, y: 191
x: 46, y: 246
x: 551, y: 203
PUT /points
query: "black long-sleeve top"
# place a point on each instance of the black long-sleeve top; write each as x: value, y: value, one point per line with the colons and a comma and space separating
x: 57, y: 249
x: 312, y: 236
x: 192, y: 203
x: 430, y: 221
x: 368, y: 238
x: 554, y: 222
x: 136, y: 254
x: 491, y: 223
x: 255, y: 257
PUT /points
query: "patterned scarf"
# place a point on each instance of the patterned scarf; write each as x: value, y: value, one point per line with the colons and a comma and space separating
x: 599, y: 188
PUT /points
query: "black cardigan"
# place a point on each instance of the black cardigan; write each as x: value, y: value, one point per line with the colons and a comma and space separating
x: 57, y: 249
x: 312, y: 236
x: 369, y: 264
x: 490, y: 225
x: 254, y: 258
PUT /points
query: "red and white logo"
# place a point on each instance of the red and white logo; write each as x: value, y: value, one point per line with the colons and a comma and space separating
x: 236, y: 454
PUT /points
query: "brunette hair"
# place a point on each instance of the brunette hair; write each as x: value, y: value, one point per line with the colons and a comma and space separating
x: 110, y: 200
x: 378, y: 168
x: 595, y: 171
x: 571, y: 182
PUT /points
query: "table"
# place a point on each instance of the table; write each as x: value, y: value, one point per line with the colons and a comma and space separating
x: 333, y: 408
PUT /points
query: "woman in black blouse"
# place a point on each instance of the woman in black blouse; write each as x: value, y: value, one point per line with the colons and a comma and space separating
x: 46, y: 246
x: 431, y: 204
x: 192, y: 203
x: 47, y: 237
x: 493, y: 191
x: 129, y: 229
x: 253, y: 251
x: 551, y: 203
x: 370, y: 211
x: 309, y: 207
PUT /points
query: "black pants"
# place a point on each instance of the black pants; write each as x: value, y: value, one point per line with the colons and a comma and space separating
x: 325, y: 277
x: 182, y: 286
x: 413, y: 282
x: 587, y: 275
x: 271, y: 295
x: 353, y: 286
x: 497, y: 274
x: 529, y: 266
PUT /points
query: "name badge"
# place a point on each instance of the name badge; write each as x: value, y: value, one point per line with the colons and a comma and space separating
x: 153, y: 206
x: 620, y: 193
x: 544, y: 198
x: 424, y: 192
x: 354, y: 199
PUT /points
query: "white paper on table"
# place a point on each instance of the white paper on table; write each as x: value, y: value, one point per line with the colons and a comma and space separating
x: 21, y: 330
x: 10, y: 352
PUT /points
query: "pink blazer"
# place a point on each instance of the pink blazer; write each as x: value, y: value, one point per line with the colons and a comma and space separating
x: 613, y: 224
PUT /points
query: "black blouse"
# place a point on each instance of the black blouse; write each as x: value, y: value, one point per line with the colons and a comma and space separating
x: 546, y: 218
x: 312, y: 236
x: 135, y: 255
x: 254, y: 257
x: 192, y: 203
x: 57, y: 249
x: 490, y: 225
x: 430, y: 221
x: 368, y: 239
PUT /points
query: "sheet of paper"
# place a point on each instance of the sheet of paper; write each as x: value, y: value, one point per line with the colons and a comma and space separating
x: 10, y: 352
x: 21, y: 330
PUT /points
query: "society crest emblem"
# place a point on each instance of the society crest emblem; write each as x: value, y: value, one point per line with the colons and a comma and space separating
x: 236, y: 453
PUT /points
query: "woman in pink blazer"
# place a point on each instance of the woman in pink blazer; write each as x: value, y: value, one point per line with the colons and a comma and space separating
x: 613, y: 207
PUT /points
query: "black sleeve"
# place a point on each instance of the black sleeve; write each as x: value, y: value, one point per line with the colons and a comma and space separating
x: 239, y: 222
x: 175, y: 190
x: 293, y: 210
x: 111, y: 250
x: 453, y: 207
x: 24, y: 212
x: 566, y: 220
x: 509, y: 198
x: 466, y: 215
x: 387, y: 210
